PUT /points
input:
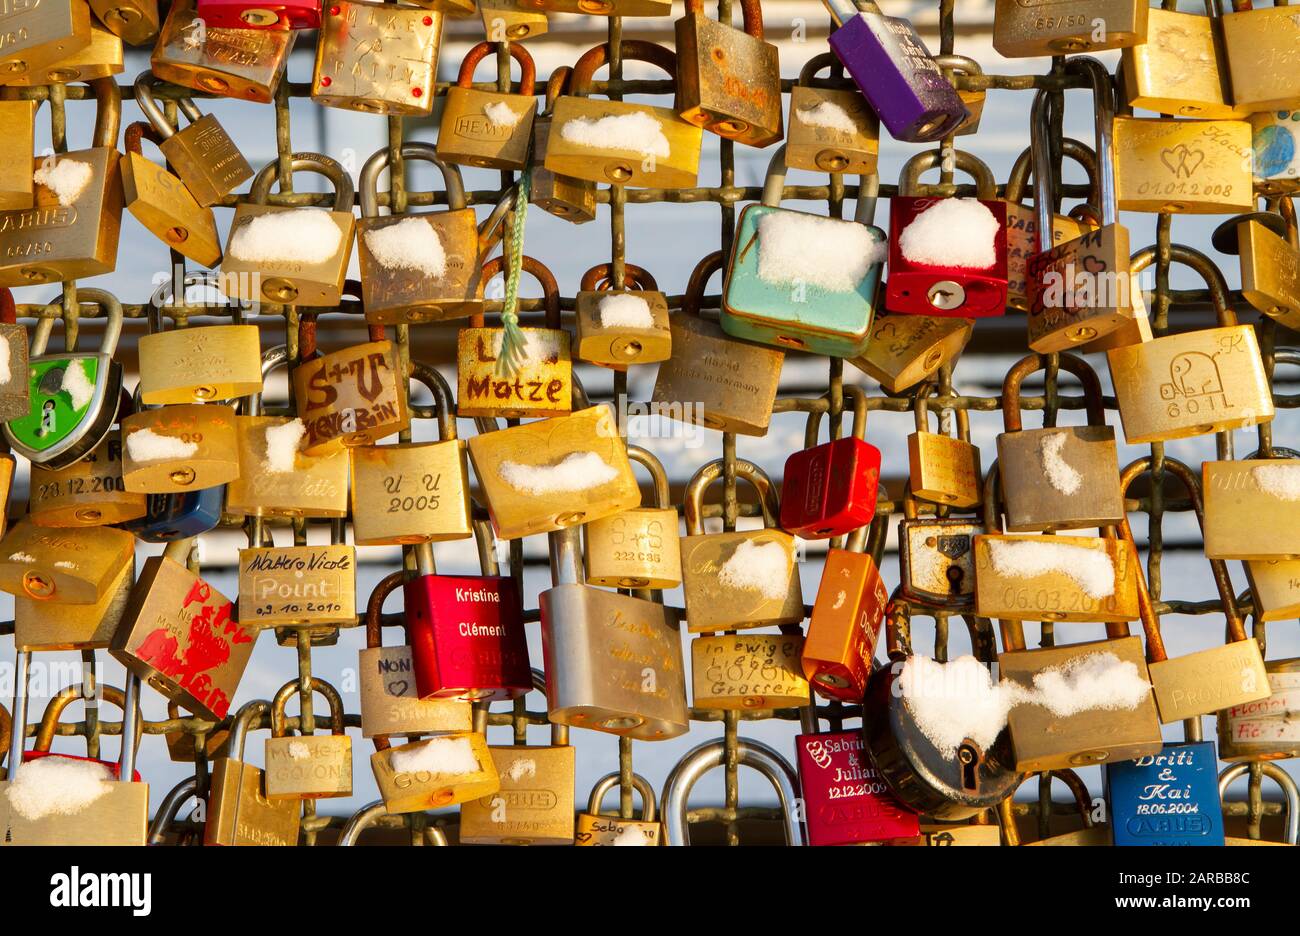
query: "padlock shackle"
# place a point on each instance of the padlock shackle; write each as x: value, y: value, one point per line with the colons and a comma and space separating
x: 959, y: 64
x: 541, y: 273
x: 1073, y: 782
x: 144, y: 99
x: 1022, y: 170
x: 828, y: 60
x: 170, y: 806
x: 639, y: 783
x: 272, y: 358
x: 318, y: 163
x: 425, y: 564
x: 49, y: 723
x: 600, y: 278
x: 812, y: 427
x: 476, y: 54
x: 898, y: 628
x: 712, y: 471
x: 559, y: 732
x: 1290, y: 791
x: 636, y: 50
x: 178, y: 550
x: 375, y: 607
x: 921, y: 411
x: 241, y: 725
x: 108, y: 111
x: 699, y: 279
x: 750, y: 10
x: 443, y: 406
x: 555, y: 86
x: 86, y: 295
x: 1103, y: 99
x: 1220, y: 297
x: 712, y: 754
x: 379, y: 160
x: 135, y: 133
x: 909, y: 179
x: 642, y: 456
x: 565, y: 550
x: 1031, y: 364
x: 279, y: 720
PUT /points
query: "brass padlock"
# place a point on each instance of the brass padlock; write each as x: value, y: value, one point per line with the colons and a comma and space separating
x: 239, y: 812
x: 936, y: 557
x: 1090, y: 834
x: 1264, y: 730
x: 48, y: 625
x: 413, y: 492
x: 1250, y: 508
x: 162, y: 203
x: 620, y: 327
x: 1277, y: 159
x: 136, y: 21
x: 906, y: 349
x: 276, y: 479
x: 102, y: 58
x: 554, y: 473
x: 351, y: 397
x: 1208, y: 680
x: 417, y: 267
x: 542, y: 384
x: 1274, y: 588
x: 1179, y: 70
x: 747, y: 672
x: 37, y: 36
x: 712, y: 379
x: 534, y: 804
x: 654, y: 147
x: 1195, y: 383
x: 290, y: 255
x: 1058, y: 478
x: 943, y: 468
x: 602, y: 7
x: 308, y: 766
x: 506, y: 20
x: 202, y: 154
x: 597, y: 828
x: 73, y: 566
x: 377, y: 58
x: 89, y: 492
x: 17, y: 143
x: 1269, y: 247
x: 197, y: 364
x: 182, y: 743
x: 433, y: 773
x: 1183, y: 166
x: 832, y: 129
x: 1026, y: 29
x: 741, y: 579
x: 183, y: 447
x: 72, y: 231
x: 973, y: 101
x: 564, y: 196
x: 1260, y: 48
x: 489, y: 129
x: 728, y: 80
x: 296, y: 585
x: 636, y: 548
x: 246, y: 64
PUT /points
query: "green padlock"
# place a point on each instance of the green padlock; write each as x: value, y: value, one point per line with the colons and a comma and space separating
x: 74, y: 394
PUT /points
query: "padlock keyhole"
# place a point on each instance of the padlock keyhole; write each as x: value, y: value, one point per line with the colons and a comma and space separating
x: 955, y: 576
x: 968, y: 755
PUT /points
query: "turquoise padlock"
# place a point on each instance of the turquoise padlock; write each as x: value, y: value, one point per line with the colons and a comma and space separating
x: 804, y: 281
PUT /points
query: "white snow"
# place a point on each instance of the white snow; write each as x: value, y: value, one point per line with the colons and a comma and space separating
x: 798, y: 248
x: 298, y: 235
x: 625, y: 310
x: 499, y: 114
x: 66, y: 178
x: 437, y: 756
x: 521, y: 768
x: 299, y: 750
x: 760, y: 567
x: 282, y: 445
x: 577, y: 471
x: 1097, y: 681
x: 145, y: 445
x: 956, y: 701
x: 1091, y: 569
x: 828, y: 115
x: 958, y: 232
x: 77, y: 383
x: 5, y: 375
x: 637, y: 132
x: 410, y: 244
x: 22, y: 557
x: 630, y: 835
x: 1060, y: 474
x: 58, y: 786
x: 1281, y: 480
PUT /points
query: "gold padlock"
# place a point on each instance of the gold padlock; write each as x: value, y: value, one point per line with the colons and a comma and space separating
x: 89, y: 492
x: 1250, y: 508
x: 596, y: 828
x: 238, y: 811
x: 973, y: 101
x: 943, y: 468
x: 741, y: 579
x: 1137, y: 328
x: 620, y: 327
x: 542, y: 384
x: 832, y: 129
x: 47, y: 625
x: 413, y: 492
x: 290, y: 255
x: 1178, y: 70
x: 1183, y: 166
x: 1195, y: 383
x: 1026, y: 29
x: 712, y: 379
x: 602, y: 7
x: 307, y: 766
x: 18, y: 119
x: 39, y: 35
x: 747, y: 672
x: 728, y: 80
x: 72, y: 230
x: 378, y: 58
x: 637, y: 548
x: 196, y: 364
x: 417, y: 267
x: 276, y: 479
x: 1260, y: 48
x: 907, y: 349
x: 564, y: 196
x: 489, y: 129
x: 246, y: 64
x: 72, y: 566
x: 102, y: 58
x: 433, y: 773
x: 1274, y: 588
x: 1269, y: 247
x: 184, y: 447
x: 654, y: 147
x: 162, y: 203
x: 1207, y: 680
x: 507, y: 21
x: 543, y: 476
x: 1265, y: 730
x: 297, y: 585
x: 136, y: 21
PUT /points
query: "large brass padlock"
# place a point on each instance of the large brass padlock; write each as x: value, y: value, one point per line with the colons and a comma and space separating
x: 713, y: 379
x: 542, y: 384
x: 100, y: 59
x: 38, y: 36
x: 1195, y: 383
x: 89, y: 492
x: 741, y: 579
x: 73, y: 566
x: 72, y: 230
x: 246, y: 64
x: 728, y: 80
x: 619, y: 327
x: 1250, y: 508
x: 136, y: 21
x: 831, y: 129
x: 162, y: 203
x: 290, y: 255
x: 906, y: 349
x: 1178, y: 70
x: 564, y: 196
x: 239, y: 812
x: 554, y: 473
x: 197, y: 364
x: 47, y: 625
x: 1207, y: 680
x: 1269, y: 247
x: 1027, y: 28
x: 1260, y: 48
x: 1058, y: 478
x: 489, y: 129
x: 296, y: 585
x: 942, y: 468
x: 636, y: 548
x: 417, y: 267
x: 377, y: 58
x: 413, y: 492
x: 653, y: 146
x: 308, y: 766
x: 1183, y: 166
x: 597, y: 828
x: 16, y: 147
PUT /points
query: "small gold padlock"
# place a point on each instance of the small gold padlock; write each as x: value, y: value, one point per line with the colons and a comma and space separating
x: 564, y: 196
x: 1269, y: 247
x: 197, y: 364
x: 1178, y: 70
x: 597, y: 828
x: 1183, y: 166
x: 72, y: 566
x: 907, y: 349
x: 297, y: 586
x: 162, y: 203
x: 1022, y: 29
x: 39, y: 35
x: 619, y: 327
x: 831, y: 129
x: 943, y: 468
x: 1260, y: 48
x: 435, y: 772
x: 378, y: 58
x: 102, y: 58
x: 184, y: 447
x: 308, y: 766
x: 1250, y: 512
x: 136, y: 21
x: 47, y: 625
x: 637, y: 548
x: 89, y: 492
x: 489, y: 129
x: 245, y: 64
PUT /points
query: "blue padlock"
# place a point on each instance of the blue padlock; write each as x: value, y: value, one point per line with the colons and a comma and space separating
x: 1168, y: 798
x: 177, y: 516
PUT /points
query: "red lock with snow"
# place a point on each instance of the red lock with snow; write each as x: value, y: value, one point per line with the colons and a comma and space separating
x: 250, y: 14
x: 947, y: 257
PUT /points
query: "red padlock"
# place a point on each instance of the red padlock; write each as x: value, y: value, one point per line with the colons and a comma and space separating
x: 839, y: 650
x: 466, y: 634
x: 830, y: 489
x: 958, y: 256
x: 845, y: 801
x: 266, y: 14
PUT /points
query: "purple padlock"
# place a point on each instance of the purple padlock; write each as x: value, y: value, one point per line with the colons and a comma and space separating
x: 893, y: 69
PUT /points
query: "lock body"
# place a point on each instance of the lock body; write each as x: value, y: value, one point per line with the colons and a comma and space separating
x: 1249, y: 512
x: 410, y: 493
x: 63, y: 425
x: 41, y: 35
x: 75, y: 566
x: 728, y: 81
x: 718, y: 597
x: 1079, y: 290
x: 1008, y: 587
x: 634, y: 549
x: 1167, y: 797
x: 845, y: 800
x: 200, y: 365
x: 928, y: 289
x: 906, y: 349
x: 414, y: 789
x: 1260, y: 45
x: 564, y: 196
x: 1183, y: 166
x: 1026, y: 28
x: 1277, y: 158
x: 534, y: 805
x: 1209, y: 680
x: 311, y: 767
x: 89, y: 492
x: 1039, y: 499
x: 674, y: 165
x: 468, y: 137
x: 817, y: 148
x: 1274, y: 588
x: 170, y: 517
x: 395, y: 295
x: 136, y: 21
x: 377, y: 58
x: 245, y: 64
x: 352, y: 397
x: 19, y: 121
x: 840, y: 648
x: 188, y: 446
x: 1270, y: 273
x: 1264, y: 730
x: 119, y: 816
x: 297, y: 585
x: 830, y: 489
x: 747, y: 671
x: 316, y: 280
x: 390, y: 703
x: 1022, y: 244
x: 160, y: 202
x: 622, y: 345
x: 239, y: 812
x: 937, y: 561
x: 317, y: 486
x: 207, y: 160
x: 944, y: 469
x: 610, y: 830
x: 1178, y: 71
x: 542, y: 385
x: 42, y: 625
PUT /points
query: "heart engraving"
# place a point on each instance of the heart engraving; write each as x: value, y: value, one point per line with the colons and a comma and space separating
x: 1182, y: 160
x: 398, y: 687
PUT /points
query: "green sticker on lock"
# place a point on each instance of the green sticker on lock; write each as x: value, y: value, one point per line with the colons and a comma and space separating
x: 63, y: 391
